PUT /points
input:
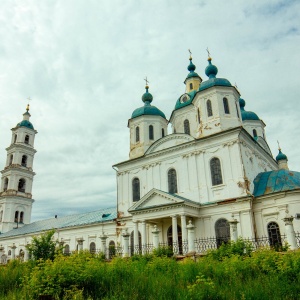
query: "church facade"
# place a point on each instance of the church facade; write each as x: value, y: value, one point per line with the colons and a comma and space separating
x: 213, y: 177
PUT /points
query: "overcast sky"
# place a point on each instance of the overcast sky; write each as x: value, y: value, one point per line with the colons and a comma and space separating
x: 83, y: 63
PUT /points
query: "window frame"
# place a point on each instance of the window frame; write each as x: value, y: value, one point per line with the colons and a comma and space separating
x: 216, y: 171
x: 226, y: 106
x: 151, y: 132
x: 186, y: 126
x: 172, y: 181
x: 209, y: 108
x: 136, y: 189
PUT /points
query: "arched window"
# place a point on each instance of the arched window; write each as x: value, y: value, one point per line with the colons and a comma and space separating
x: 22, y: 217
x: 151, y: 133
x: 274, y: 235
x: 172, y: 181
x: 137, y: 134
x: 17, y: 216
x: 22, y: 185
x: 112, y: 249
x: 92, y: 248
x: 11, y: 159
x: 135, y: 189
x: 186, y: 125
x: 1, y: 215
x: 135, y: 249
x: 66, y: 249
x: 209, y: 108
x: 216, y: 173
x: 24, y: 161
x: 254, y: 133
x: 226, y: 106
x: 5, y: 184
x: 191, y: 86
x: 26, y: 140
x: 198, y: 115
x: 15, y: 139
x: 9, y: 252
x: 162, y: 132
x: 222, y: 229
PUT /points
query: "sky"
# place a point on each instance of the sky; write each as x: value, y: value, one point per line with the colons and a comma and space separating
x: 83, y: 64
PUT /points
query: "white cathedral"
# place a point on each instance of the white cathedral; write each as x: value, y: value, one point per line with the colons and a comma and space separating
x: 211, y: 180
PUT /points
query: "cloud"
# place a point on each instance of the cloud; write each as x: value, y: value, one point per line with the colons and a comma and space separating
x: 83, y: 64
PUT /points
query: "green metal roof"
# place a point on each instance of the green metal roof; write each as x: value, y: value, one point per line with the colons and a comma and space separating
x: 25, y: 123
x: 247, y: 115
x: 180, y: 104
x: 93, y: 217
x: 281, y: 156
x: 276, y: 181
x: 147, y: 109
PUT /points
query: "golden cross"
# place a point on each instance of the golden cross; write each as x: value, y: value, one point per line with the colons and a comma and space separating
x: 190, y: 53
x: 208, y: 52
x: 278, y: 146
x: 146, y: 81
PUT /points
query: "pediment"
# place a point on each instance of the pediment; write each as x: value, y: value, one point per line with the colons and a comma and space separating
x: 155, y: 198
x: 169, y: 141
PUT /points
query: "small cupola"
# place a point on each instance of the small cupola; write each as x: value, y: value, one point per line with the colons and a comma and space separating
x: 211, y: 72
x: 247, y: 115
x: 25, y: 122
x: 147, y: 124
x: 193, y: 80
x: 282, y: 159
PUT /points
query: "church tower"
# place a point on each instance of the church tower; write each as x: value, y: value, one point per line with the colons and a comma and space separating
x: 17, y: 177
x: 147, y: 125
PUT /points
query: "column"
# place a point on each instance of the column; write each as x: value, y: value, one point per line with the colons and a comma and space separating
x: 13, y: 251
x: 126, y: 236
x: 144, y: 238
x: 191, y: 237
x: 155, y: 233
x: 80, y: 244
x: 290, y: 232
x: 103, y: 239
x: 136, y: 242
x: 175, y: 235
x: 184, y: 233
x: 233, y: 230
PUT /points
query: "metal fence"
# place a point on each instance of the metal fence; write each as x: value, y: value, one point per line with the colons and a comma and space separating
x: 202, y: 245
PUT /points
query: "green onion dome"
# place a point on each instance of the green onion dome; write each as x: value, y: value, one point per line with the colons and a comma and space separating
x: 247, y: 115
x: 25, y: 122
x: 191, y: 67
x: 147, y: 109
x: 211, y: 71
x: 281, y: 156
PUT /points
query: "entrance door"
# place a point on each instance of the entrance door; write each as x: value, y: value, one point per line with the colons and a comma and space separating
x: 222, y: 229
x: 170, y: 238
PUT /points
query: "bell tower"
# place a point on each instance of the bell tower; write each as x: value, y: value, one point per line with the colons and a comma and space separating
x: 17, y: 177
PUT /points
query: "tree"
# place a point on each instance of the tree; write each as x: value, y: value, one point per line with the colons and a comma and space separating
x: 44, y: 247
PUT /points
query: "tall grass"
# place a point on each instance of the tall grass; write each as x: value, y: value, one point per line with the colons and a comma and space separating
x: 232, y: 274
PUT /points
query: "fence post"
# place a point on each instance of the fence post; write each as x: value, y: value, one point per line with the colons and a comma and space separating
x: 155, y: 233
x: 80, y: 244
x: 191, y: 237
x: 13, y: 251
x: 233, y: 229
x: 1, y: 253
x: 126, y: 236
x: 103, y: 239
x: 290, y: 233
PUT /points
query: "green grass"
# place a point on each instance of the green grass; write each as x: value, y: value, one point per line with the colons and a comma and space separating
x: 230, y: 274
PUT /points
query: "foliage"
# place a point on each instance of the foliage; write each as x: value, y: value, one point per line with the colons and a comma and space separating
x: 163, y: 251
x: 44, y: 247
x: 261, y: 274
x: 240, y: 247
